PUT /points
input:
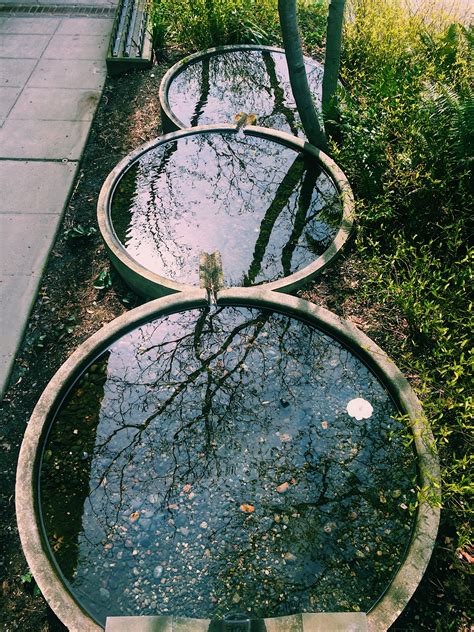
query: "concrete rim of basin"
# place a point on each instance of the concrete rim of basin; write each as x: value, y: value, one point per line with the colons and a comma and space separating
x: 152, y: 285
x: 409, y: 574
x: 170, y: 121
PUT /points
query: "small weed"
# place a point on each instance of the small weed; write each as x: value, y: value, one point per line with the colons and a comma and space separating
x: 103, y: 281
x: 129, y: 299
x: 26, y: 578
x: 79, y: 232
x: 28, y: 581
x: 66, y: 326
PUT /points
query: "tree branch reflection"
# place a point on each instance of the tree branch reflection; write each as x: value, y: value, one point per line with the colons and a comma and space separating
x: 226, y: 469
x: 268, y: 210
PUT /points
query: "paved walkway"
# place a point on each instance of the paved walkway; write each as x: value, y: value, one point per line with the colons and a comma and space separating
x: 52, y: 70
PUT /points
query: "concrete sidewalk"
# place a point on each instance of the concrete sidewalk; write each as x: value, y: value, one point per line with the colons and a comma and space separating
x: 52, y: 71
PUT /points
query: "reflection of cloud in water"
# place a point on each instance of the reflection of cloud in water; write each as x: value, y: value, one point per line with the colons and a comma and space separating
x: 267, y: 209
x: 213, y: 89
x: 203, y: 413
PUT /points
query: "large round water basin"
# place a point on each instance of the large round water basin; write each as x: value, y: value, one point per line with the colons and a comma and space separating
x: 217, y: 84
x: 274, y: 208
x: 252, y: 455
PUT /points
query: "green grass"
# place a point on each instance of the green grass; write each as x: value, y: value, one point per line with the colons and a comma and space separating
x: 405, y: 135
x: 191, y: 25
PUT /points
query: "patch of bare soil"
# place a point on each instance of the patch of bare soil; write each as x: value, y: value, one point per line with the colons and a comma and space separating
x: 70, y: 308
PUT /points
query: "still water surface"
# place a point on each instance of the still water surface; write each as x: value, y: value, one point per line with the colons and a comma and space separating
x: 237, y: 458
x: 268, y: 209
x: 214, y: 89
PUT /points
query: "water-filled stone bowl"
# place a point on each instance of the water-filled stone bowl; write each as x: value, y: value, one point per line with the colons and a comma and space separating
x: 214, y: 85
x: 277, y: 209
x: 188, y: 459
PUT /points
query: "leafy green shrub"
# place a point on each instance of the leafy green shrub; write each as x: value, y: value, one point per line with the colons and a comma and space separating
x: 406, y: 136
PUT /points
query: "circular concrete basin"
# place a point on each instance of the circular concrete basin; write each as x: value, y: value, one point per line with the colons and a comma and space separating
x: 214, y: 85
x: 188, y: 459
x: 275, y: 209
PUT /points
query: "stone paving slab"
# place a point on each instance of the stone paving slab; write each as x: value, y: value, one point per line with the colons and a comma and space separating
x: 92, y: 47
x: 143, y: 624
x: 85, y: 26
x: 44, y: 186
x: 62, y: 140
x: 15, y: 305
x: 26, y: 241
x: 310, y: 622
x: 55, y: 104
x: 20, y: 45
x: 8, y: 96
x: 55, y: 73
x: 35, y: 26
x: 335, y: 622
x: 15, y: 72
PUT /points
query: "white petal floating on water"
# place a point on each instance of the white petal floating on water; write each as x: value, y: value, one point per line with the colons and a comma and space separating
x: 360, y: 408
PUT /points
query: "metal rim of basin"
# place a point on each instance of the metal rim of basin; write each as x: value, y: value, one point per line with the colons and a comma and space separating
x: 152, y: 285
x: 419, y: 550
x: 169, y: 120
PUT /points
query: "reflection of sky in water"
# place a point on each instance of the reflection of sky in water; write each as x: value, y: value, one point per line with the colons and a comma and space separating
x: 267, y: 209
x: 213, y: 90
x: 198, y: 415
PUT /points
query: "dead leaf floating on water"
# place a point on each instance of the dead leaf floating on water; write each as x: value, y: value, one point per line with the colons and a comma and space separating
x: 281, y: 489
x: 247, y: 508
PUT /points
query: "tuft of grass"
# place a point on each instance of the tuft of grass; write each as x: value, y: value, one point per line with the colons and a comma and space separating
x: 191, y: 25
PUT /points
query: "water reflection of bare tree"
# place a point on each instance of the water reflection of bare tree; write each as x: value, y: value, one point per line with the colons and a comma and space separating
x: 226, y: 192
x: 179, y: 367
x: 214, y: 88
x: 208, y: 409
x: 279, y: 96
x: 203, y: 94
x: 70, y: 452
